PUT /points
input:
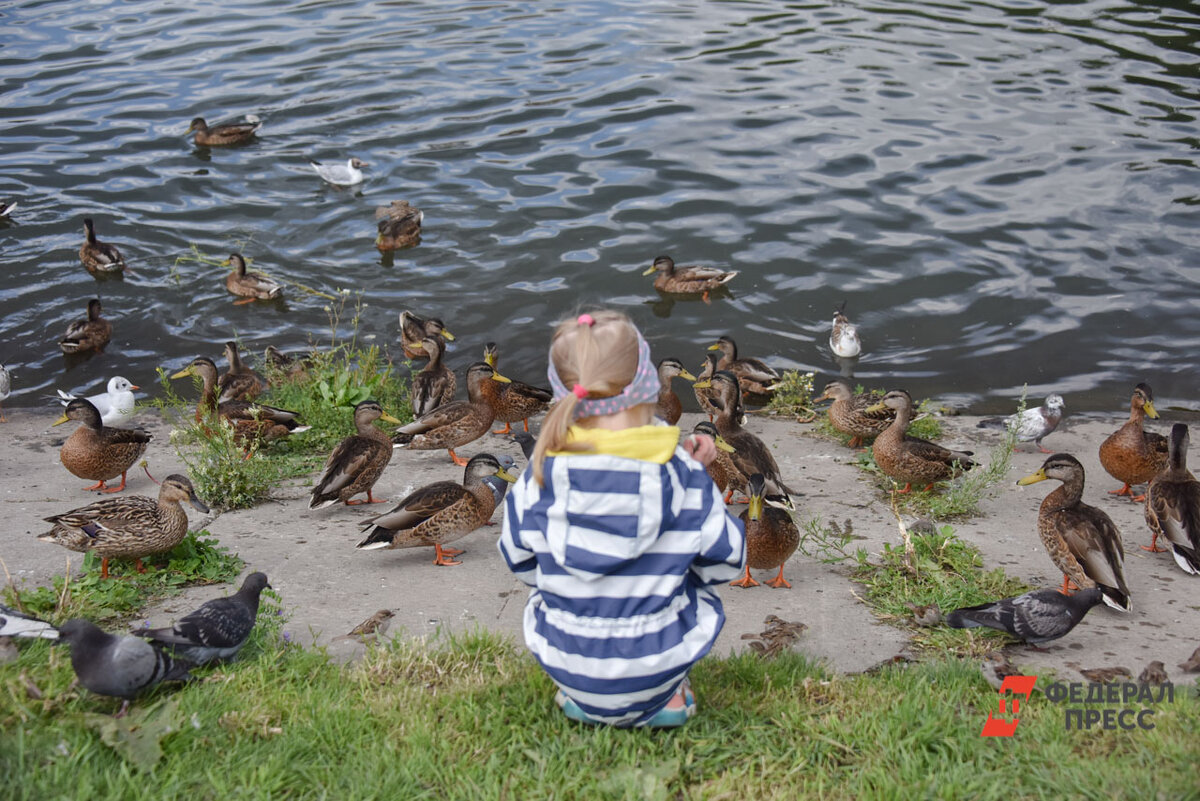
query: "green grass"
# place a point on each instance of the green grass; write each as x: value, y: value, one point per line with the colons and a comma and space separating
x: 472, y: 718
x: 793, y: 396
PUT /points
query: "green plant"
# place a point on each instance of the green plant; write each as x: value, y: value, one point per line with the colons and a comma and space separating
x: 826, y: 543
x: 793, y: 396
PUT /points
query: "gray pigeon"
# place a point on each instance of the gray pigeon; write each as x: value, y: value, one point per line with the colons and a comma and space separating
x: 117, y: 665
x: 527, y: 442
x: 499, y: 486
x: 18, y: 624
x: 1033, y: 424
x: 218, y: 629
x: 1035, y: 617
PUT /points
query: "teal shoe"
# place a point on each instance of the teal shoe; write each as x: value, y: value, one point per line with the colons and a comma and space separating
x: 665, y: 718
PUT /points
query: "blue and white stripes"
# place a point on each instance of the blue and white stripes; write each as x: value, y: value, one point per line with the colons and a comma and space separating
x: 620, y: 553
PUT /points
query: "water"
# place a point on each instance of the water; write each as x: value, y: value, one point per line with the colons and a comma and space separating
x: 1003, y: 193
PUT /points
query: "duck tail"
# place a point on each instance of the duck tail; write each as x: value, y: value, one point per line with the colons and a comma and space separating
x: 377, y: 539
x: 1116, y: 599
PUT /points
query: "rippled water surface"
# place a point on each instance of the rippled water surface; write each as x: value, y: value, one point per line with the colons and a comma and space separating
x: 1003, y: 193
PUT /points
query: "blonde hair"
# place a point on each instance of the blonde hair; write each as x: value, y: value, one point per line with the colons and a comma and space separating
x: 601, y: 357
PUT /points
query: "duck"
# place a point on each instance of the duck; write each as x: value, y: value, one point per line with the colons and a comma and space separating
x: 7, y: 207
x: 1131, y: 454
x: 97, y: 452
x: 291, y: 366
x: 99, y: 257
x: 750, y: 454
x: 848, y: 412
x: 133, y: 527
x: 435, y: 384
x: 414, y: 329
x: 458, y: 422
x: 1173, y: 506
x: 357, y: 462
x: 668, y: 407
x: 89, y: 334
x: 771, y: 535
x: 6, y: 377
x: 249, y: 286
x: 843, y: 336
x: 225, y: 133
x: 688, y: 280
x: 1032, y: 424
x: 441, y: 512
x: 516, y: 401
x: 912, y: 459
x: 399, y: 225
x: 754, y: 375
x: 115, y: 404
x: 702, y: 385
x: 251, y: 422
x: 721, y: 469
x: 339, y: 175
x: 240, y: 382
x: 1083, y: 542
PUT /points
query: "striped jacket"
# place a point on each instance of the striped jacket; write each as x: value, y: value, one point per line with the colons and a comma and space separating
x: 621, y: 553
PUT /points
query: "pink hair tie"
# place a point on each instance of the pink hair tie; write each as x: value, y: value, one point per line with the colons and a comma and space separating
x: 580, y: 391
x: 588, y: 320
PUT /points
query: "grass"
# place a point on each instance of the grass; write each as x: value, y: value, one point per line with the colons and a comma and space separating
x: 471, y: 717
x: 793, y: 396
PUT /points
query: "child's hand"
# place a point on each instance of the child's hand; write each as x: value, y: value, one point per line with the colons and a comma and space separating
x: 701, y: 448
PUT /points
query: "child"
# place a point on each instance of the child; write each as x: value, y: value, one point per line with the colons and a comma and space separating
x: 620, y: 532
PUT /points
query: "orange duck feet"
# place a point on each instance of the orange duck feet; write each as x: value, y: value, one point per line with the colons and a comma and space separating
x: 1125, y: 490
x: 745, y: 581
x: 115, y: 489
x: 458, y: 460
x: 442, y: 556
x: 506, y: 430
x: 779, y: 581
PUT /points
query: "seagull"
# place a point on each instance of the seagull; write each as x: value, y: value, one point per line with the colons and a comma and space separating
x: 339, y: 175
x: 5, y: 388
x: 218, y: 629
x: 1033, y: 424
x: 19, y: 624
x: 843, y: 337
x: 117, y: 665
x: 114, y: 405
x: 1035, y: 617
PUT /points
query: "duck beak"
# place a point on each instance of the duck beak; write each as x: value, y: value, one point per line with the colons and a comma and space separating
x: 181, y: 374
x: 226, y: 263
x: 705, y: 384
x: 875, y: 408
x: 756, y: 507
x: 196, y: 502
x: 822, y: 397
x: 714, y: 346
x: 723, y: 445
x: 449, y: 337
x: 651, y: 271
x: 1040, y: 475
x: 60, y: 421
x: 490, y: 358
x: 1150, y: 412
x: 417, y: 346
x: 686, y: 375
x: 387, y: 418
x: 507, y: 476
x: 497, y: 377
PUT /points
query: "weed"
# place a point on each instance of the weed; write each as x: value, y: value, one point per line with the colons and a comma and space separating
x: 793, y: 396
x: 826, y: 543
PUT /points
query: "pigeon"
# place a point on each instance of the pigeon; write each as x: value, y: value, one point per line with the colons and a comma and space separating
x: 118, y: 665
x: 499, y: 486
x: 115, y: 405
x: 18, y: 624
x: 1192, y: 665
x: 372, y: 628
x: 338, y: 175
x: 843, y: 337
x: 1035, y: 617
x: 1033, y: 424
x: 1155, y: 673
x: 527, y: 442
x: 218, y: 629
x: 5, y: 388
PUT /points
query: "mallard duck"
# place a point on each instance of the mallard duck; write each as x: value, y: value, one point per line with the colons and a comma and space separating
x: 441, y: 512
x: 435, y: 384
x: 7, y: 207
x: 848, y: 412
x: 1173, y: 506
x: 399, y: 225
x: 91, y: 333
x: 292, y: 366
x: 689, y: 280
x: 127, y: 528
x: 516, y: 401
x: 249, y: 286
x: 97, y: 256
x: 771, y: 535
x: 1131, y: 454
x: 668, y: 407
x: 115, y: 404
x: 721, y: 469
x: 240, y: 382
x: 357, y: 462
x: 225, y: 133
x: 754, y: 375
x: 414, y: 329
x: 702, y: 387
x: 250, y: 421
x: 458, y: 422
x: 843, y: 336
x: 1083, y: 542
x: 6, y: 378
x: 96, y: 452
x: 911, y: 459
x: 340, y: 175
x: 1033, y: 424
x: 750, y: 454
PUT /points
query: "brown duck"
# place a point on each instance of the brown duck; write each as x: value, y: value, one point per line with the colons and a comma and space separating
x: 399, y: 225
x: 771, y: 536
x: 97, y: 452
x: 458, y: 422
x: 248, y: 285
x: 414, y: 329
x: 1131, y: 454
x: 240, y: 382
x: 848, y: 412
x: 691, y: 280
x: 127, y: 528
x: 517, y: 401
x: 1083, y: 542
x: 435, y: 384
x: 98, y: 257
x: 1173, y: 506
x: 91, y: 333
x: 357, y: 462
x: 750, y: 454
x: 754, y: 375
x: 702, y: 386
x: 250, y: 421
x: 668, y: 407
x: 721, y: 469
x: 911, y: 459
x: 441, y: 512
x: 226, y: 133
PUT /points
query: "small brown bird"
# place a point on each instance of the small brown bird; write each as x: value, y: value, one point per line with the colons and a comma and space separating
x: 996, y: 668
x: 91, y: 333
x: 1192, y: 665
x: 99, y: 257
x: 926, y: 614
x: 1107, y: 675
x: 372, y: 628
x: 226, y: 133
x: 1155, y: 673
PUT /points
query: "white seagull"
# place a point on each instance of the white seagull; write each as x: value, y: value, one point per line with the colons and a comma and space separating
x: 115, y: 405
x: 338, y: 175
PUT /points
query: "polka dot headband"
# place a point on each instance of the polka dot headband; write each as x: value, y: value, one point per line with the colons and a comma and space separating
x: 642, y: 389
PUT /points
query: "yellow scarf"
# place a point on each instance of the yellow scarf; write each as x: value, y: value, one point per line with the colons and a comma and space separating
x: 644, y: 443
